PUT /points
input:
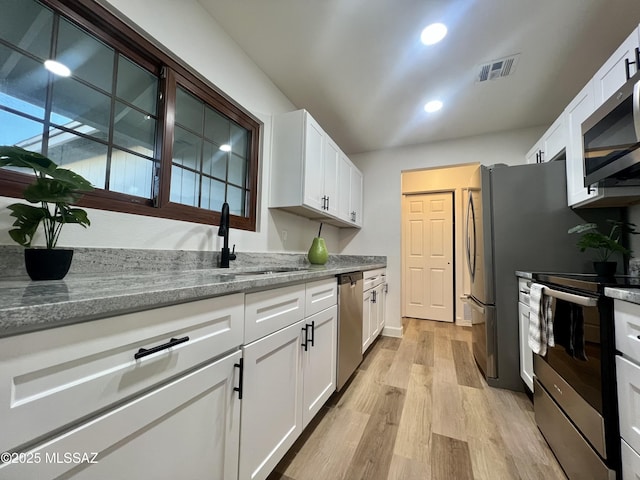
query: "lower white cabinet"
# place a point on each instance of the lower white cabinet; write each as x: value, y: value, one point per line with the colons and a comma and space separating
x: 271, y: 400
x: 187, y: 428
x: 373, y: 305
x: 288, y: 376
x: 526, y: 354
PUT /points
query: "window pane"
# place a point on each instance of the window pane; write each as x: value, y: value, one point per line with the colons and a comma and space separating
x: 216, y: 127
x: 23, y: 83
x: 214, y: 161
x: 17, y: 130
x: 189, y: 111
x: 186, y: 149
x: 236, y: 199
x: 137, y: 86
x: 239, y: 138
x: 237, y: 170
x: 134, y: 130
x: 212, y: 194
x: 83, y: 156
x: 26, y: 24
x: 81, y: 108
x: 87, y: 57
x: 184, y: 186
x: 130, y: 174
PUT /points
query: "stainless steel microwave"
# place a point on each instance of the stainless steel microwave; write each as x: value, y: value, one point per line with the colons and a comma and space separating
x: 611, y: 137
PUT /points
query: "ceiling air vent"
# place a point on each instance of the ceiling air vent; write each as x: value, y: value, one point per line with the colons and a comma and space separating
x: 503, y: 67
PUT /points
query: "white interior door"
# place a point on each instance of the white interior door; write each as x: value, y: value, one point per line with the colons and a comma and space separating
x: 427, y: 233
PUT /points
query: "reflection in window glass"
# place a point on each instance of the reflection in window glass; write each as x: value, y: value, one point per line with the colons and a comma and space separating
x: 88, y: 108
x: 189, y: 111
x: 130, y: 174
x: 23, y: 83
x: 214, y: 161
x: 184, y: 187
x: 236, y: 199
x: 216, y: 127
x: 238, y: 140
x: 27, y: 25
x: 237, y: 170
x: 83, y: 156
x: 212, y: 194
x: 137, y: 86
x: 16, y: 130
x: 134, y: 130
x: 186, y: 148
x: 87, y: 57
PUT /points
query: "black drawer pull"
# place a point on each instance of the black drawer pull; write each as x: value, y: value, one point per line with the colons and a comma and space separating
x: 306, y: 342
x: 143, y: 352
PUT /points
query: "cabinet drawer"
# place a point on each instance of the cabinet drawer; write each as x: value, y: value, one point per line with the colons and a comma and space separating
x: 630, y: 462
x: 51, y: 378
x: 627, y: 320
x: 320, y: 295
x: 165, y: 433
x: 628, y: 376
x: 271, y: 310
x: 373, y: 278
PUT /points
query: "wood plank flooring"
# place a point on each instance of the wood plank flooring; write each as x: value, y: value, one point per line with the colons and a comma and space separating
x: 418, y: 408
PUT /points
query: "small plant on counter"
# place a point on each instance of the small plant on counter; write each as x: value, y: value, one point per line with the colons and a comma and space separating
x: 53, y: 190
x: 604, y: 245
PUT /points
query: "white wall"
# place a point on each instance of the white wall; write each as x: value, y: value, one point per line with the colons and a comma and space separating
x: 187, y: 30
x: 382, y: 194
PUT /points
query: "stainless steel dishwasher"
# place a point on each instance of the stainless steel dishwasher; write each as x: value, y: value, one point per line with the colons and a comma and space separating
x: 349, y: 325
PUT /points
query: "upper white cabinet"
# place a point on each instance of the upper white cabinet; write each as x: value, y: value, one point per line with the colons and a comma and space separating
x: 552, y: 143
x: 355, y: 204
x: 308, y: 172
x: 618, y: 69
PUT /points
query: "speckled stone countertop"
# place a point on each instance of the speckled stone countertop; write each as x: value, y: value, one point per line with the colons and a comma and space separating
x: 28, y: 306
x: 626, y: 294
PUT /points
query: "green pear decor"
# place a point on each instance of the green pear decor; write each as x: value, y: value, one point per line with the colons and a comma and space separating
x: 52, y: 192
x: 318, y: 253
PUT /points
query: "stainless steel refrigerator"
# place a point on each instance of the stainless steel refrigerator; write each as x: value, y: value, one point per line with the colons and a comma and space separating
x: 516, y: 219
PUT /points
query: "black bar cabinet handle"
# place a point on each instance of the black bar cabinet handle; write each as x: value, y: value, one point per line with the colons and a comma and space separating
x: 238, y: 389
x: 313, y: 332
x: 306, y: 338
x: 143, y: 352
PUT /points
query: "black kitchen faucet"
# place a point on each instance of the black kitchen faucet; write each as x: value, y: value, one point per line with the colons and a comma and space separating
x: 223, y: 231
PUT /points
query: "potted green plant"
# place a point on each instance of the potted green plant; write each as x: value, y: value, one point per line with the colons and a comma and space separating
x: 53, y: 191
x: 605, y: 245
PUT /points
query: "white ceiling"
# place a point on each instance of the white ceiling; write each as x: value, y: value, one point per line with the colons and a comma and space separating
x: 359, y: 68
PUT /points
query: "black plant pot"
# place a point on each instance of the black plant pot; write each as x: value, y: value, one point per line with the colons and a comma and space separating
x: 605, y: 269
x: 47, y: 264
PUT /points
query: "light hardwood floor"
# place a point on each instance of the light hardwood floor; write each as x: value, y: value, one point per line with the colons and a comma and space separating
x: 418, y: 408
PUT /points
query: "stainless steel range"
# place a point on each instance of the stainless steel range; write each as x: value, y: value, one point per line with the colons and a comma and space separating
x: 575, y: 398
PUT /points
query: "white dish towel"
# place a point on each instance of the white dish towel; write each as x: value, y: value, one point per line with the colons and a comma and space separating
x: 540, y: 320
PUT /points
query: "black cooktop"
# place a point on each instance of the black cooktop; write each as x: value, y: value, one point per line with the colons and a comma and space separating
x: 587, y: 282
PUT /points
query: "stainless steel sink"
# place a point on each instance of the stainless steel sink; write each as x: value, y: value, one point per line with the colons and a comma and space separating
x: 266, y: 271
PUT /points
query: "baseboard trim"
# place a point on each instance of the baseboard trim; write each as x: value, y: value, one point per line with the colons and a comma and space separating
x: 392, y: 332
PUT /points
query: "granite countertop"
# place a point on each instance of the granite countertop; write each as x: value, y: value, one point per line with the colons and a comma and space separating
x: 627, y: 294
x: 28, y: 306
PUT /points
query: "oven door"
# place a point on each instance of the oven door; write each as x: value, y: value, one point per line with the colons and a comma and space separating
x: 571, y: 370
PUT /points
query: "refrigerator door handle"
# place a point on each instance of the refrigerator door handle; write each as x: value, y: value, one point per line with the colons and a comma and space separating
x: 471, y: 225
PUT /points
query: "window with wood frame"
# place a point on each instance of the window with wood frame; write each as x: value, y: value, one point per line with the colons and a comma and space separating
x: 84, y: 89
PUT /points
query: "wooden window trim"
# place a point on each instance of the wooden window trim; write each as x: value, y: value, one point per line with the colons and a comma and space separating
x: 106, y: 26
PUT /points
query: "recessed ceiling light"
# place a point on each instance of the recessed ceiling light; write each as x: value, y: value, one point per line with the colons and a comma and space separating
x: 433, y: 33
x: 225, y: 148
x: 57, y: 68
x: 433, y: 106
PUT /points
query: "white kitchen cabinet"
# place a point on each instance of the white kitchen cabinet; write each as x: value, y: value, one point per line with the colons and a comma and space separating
x: 620, y: 66
x: 187, y: 428
x: 373, y: 304
x: 288, y: 376
x: 269, y: 310
x: 52, y: 378
x: 627, y: 327
x: 319, y: 361
x: 306, y: 164
x: 355, y: 202
x: 271, y: 402
x: 344, y: 188
x: 552, y: 143
x: 526, y: 354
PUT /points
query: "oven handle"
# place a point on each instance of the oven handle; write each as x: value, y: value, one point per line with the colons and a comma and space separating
x: 571, y: 297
